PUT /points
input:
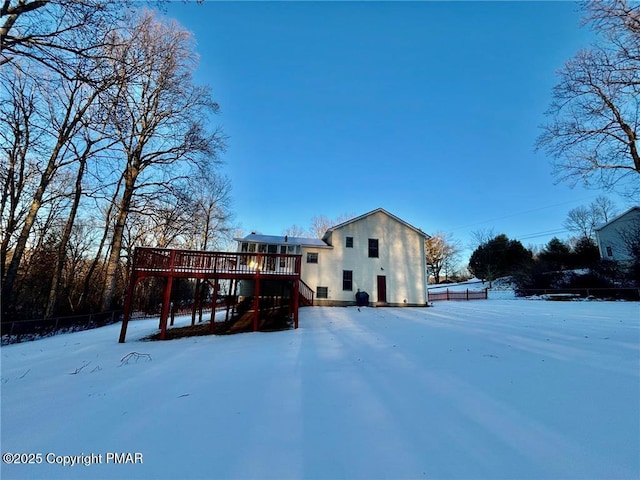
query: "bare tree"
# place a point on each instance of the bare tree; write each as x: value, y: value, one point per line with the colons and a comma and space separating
x: 482, y: 236
x: 195, y: 215
x: 56, y: 34
x: 580, y: 221
x: 84, y: 149
x: 583, y: 220
x: 295, y: 231
x: 603, y: 208
x: 593, y: 118
x: 320, y: 224
x: 158, y: 116
x: 63, y: 104
x: 441, y: 252
x: 211, y: 224
x: 20, y: 144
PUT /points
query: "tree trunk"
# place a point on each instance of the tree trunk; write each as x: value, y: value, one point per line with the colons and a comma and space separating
x: 87, y: 280
x: 21, y: 244
x: 65, y: 131
x: 113, y: 262
x: 66, y: 234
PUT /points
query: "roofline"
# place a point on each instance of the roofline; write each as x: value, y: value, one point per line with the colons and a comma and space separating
x: 382, y: 210
x: 304, y: 243
x: 617, y: 218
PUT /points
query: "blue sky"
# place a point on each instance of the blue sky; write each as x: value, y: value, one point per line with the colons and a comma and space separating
x: 429, y: 110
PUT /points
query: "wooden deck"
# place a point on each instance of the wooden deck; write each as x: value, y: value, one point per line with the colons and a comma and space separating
x: 212, y: 267
x: 162, y: 262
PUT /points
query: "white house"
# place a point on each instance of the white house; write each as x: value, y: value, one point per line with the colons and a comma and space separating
x: 613, y: 236
x: 377, y: 253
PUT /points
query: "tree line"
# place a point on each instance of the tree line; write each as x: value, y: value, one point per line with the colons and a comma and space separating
x: 573, y: 263
x: 107, y: 144
x: 559, y: 264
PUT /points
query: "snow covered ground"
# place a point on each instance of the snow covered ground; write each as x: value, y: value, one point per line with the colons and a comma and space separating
x: 475, y: 390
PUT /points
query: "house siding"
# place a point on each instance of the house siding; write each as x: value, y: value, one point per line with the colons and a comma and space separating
x: 400, y: 260
x: 610, y: 236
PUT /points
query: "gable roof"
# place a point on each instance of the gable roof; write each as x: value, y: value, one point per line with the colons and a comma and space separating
x: 377, y: 210
x: 615, y: 219
x: 282, y: 240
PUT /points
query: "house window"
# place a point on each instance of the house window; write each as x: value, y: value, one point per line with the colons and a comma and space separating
x: 312, y: 257
x: 373, y: 248
x: 322, y: 292
x: 347, y: 280
x: 262, y: 248
x: 349, y: 242
x: 609, y: 252
x: 246, y: 248
x: 270, y: 263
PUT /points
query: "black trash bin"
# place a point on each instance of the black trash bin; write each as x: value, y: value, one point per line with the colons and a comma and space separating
x: 362, y: 299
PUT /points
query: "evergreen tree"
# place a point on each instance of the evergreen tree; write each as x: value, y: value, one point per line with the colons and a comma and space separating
x: 585, y: 253
x: 499, y: 257
x: 556, y: 255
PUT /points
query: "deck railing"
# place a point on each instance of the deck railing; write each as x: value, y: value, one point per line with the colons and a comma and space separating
x: 168, y: 261
x: 306, y: 293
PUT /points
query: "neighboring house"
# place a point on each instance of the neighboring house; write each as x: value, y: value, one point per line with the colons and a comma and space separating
x: 377, y: 253
x: 614, y: 236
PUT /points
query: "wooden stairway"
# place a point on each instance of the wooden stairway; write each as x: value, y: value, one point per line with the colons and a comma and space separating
x: 305, y: 294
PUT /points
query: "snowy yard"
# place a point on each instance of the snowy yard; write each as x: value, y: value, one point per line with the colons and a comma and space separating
x: 475, y: 390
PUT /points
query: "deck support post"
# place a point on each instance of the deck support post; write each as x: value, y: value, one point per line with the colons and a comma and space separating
x: 167, y: 296
x: 233, y: 290
x: 173, y: 314
x: 214, y: 302
x: 256, y: 304
x: 200, y: 305
x: 165, y: 307
x: 196, y: 302
x: 127, y: 306
x: 296, y: 301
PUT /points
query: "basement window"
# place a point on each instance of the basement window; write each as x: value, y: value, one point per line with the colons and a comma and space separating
x: 322, y: 292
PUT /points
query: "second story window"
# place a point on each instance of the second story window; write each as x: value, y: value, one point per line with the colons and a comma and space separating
x: 373, y: 248
x: 312, y: 257
x: 349, y: 242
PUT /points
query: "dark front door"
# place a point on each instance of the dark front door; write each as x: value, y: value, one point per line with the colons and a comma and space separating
x: 382, y: 289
